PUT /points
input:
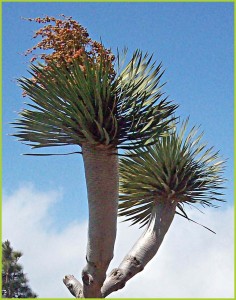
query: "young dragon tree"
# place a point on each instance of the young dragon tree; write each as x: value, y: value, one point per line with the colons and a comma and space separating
x: 155, y: 184
x: 77, y: 98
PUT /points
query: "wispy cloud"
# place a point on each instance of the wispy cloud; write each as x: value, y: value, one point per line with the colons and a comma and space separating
x: 48, y: 254
x: 191, y: 262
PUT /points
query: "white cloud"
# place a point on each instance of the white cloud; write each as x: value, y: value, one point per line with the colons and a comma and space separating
x: 192, y: 262
x: 48, y: 255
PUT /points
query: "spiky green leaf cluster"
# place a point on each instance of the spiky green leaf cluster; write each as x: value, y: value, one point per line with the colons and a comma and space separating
x: 177, y: 168
x: 72, y: 106
x: 142, y: 115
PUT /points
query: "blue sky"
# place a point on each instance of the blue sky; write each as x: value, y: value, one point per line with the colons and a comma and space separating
x: 194, y: 41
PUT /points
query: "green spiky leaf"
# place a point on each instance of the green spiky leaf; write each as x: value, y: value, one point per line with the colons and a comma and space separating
x: 69, y: 106
x: 177, y: 168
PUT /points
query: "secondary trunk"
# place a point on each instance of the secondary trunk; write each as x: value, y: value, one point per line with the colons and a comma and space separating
x: 144, y: 249
x: 101, y: 172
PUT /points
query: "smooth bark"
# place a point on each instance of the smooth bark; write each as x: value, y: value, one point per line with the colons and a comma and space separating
x: 144, y: 249
x: 74, y: 286
x: 101, y: 172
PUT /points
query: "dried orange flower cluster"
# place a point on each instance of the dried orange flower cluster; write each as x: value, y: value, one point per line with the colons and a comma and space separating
x: 68, y: 40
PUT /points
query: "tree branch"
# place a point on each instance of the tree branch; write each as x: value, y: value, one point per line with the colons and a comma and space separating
x: 74, y: 286
x: 144, y: 249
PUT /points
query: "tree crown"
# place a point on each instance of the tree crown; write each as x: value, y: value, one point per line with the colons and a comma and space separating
x: 177, y: 167
x: 78, y: 99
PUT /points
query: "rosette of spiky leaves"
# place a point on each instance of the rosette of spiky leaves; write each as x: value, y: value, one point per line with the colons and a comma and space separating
x: 142, y: 114
x: 73, y: 105
x: 178, y: 167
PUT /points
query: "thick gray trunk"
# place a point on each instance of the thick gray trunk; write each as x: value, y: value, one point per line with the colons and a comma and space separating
x: 101, y: 172
x: 144, y: 249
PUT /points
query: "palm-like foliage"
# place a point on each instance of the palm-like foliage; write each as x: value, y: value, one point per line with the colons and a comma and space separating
x: 177, y: 168
x: 74, y: 105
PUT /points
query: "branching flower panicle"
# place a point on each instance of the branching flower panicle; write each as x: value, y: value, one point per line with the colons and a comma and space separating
x: 67, y: 40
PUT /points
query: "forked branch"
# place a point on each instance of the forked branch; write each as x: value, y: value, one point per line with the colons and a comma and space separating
x: 144, y: 250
